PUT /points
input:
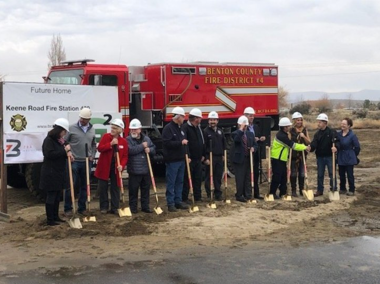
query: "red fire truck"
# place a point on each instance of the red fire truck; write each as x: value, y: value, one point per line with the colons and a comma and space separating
x: 150, y: 92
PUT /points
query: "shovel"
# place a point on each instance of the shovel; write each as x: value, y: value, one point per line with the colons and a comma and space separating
x: 269, y: 197
x: 193, y: 208
x: 226, y: 200
x: 123, y: 212
x: 74, y: 222
x: 334, y: 194
x: 287, y: 197
x: 212, y: 189
x: 307, y: 193
x: 157, y: 209
x: 252, y: 177
x: 88, y: 218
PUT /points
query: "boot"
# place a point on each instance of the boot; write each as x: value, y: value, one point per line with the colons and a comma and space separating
x: 56, y: 214
x: 294, y: 193
x: 301, y: 184
x: 50, y: 215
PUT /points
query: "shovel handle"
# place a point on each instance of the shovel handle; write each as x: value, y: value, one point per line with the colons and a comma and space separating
x: 118, y: 172
x: 151, y: 172
x: 188, y: 169
x: 251, y: 165
x: 225, y: 168
x: 289, y: 164
x: 269, y: 166
x: 87, y: 175
x: 71, y: 182
x: 211, y: 168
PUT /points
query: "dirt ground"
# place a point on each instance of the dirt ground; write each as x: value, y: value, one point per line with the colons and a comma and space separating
x: 28, y: 244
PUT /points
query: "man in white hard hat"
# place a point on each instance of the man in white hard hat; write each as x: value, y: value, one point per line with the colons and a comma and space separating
x: 279, y: 156
x: 325, y: 145
x: 249, y: 112
x: 80, y: 133
x: 139, y: 145
x: 298, y: 134
x: 173, y: 141
x: 196, y: 147
x: 214, y: 136
x: 244, y: 141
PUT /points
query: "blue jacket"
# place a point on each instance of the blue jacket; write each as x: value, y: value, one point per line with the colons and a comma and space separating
x: 238, y: 153
x: 137, y: 161
x: 349, y: 149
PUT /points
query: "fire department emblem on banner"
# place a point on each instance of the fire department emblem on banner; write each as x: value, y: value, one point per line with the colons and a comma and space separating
x: 18, y: 122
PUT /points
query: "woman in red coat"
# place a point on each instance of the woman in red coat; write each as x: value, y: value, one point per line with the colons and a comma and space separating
x: 107, y: 167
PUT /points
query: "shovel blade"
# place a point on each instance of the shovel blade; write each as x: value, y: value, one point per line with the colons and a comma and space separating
x: 308, y: 194
x: 227, y: 201
x: 158, y: 210
x: 334, y: 195
x: 252, y: 201
x: 193, y: 209
x: 211, y: 205
x: 124, y: 212
x: 268, y: 197
x: 89, y: 219
x: 75, y: 223
x: 287, y: 197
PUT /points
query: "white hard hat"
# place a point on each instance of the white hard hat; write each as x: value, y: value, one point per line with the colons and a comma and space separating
x: 323, y: 116
x: 284, y: 122
x: 118, y: 122
x: 297, y: 115
x: 213, y: 114
x: 135, y: 124
x: 63, y: 122
x: 249, y: 110
x: 178, y: 110
x: 196, y: 112
x: 85, y: 113
x: 242, y: 119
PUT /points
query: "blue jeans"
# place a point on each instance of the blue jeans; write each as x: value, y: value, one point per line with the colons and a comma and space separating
x: 174, y: 182
x: 79, y: 175
x: 322, y: 162
x: 349, y: 170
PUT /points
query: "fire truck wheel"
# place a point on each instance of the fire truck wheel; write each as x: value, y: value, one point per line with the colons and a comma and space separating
x: 32, y: 176
x: 229, y: 145
x: 15, y: 176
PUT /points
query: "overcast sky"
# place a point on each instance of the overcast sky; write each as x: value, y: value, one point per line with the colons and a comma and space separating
x: 319, y: 45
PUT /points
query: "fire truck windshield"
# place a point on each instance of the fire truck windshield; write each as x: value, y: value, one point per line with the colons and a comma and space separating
x: 72, y: 77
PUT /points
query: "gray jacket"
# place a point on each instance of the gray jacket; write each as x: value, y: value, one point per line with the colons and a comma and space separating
x: 137, y: 161
x: 78, y: 139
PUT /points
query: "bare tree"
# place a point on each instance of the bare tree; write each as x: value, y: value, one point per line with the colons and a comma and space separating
x: 323, y: 104
x: 282, y: 97
x: 57, y: 51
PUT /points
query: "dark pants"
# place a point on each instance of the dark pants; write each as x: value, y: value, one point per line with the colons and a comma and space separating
x: 279, y: 177
x: 217, y: 168
x: 103, y: 193
x: 196, y: 176
x: 52, y: 205
x: 79, y: 175
x: 297, y: 170
x: 242, y: 178
x: 136, y: 181
x: 349, y: 170
x: 322, y: 163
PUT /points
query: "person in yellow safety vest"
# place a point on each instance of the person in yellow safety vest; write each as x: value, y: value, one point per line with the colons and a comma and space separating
x: 279, y: 156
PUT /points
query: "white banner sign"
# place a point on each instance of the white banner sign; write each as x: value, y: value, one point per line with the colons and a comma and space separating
x: 30, y: 109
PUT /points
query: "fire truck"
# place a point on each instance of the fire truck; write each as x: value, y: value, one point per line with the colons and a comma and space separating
x: 149, y: 93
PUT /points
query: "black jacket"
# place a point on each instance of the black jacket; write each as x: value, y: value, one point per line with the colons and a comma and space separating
x: 196, y: 141
x: 237, y: 151
x: 137, y: 160
x: 218, y: 142
x: 172, y: 136
x: 54, y: 176
x: 322, y: 142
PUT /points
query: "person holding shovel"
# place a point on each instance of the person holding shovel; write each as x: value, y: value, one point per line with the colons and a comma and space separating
x: 299, y: 134
x: 348, y: 151
x: 324, y: 144
x: 54, y: 169
x: 244, y: 141
x: 174, y: 142
x: 279, y: 156
x: 139, y: 145
x: 80, y: 133
x: 107, y: 167
x: 213, y: 134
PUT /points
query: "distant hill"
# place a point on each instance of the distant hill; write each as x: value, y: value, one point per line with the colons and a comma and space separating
x: 357, y: 97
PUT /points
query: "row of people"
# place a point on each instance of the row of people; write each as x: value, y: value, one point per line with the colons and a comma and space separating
x: 178, y: 138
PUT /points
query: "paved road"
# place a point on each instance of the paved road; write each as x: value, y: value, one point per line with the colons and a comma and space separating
x: 353, y: 261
